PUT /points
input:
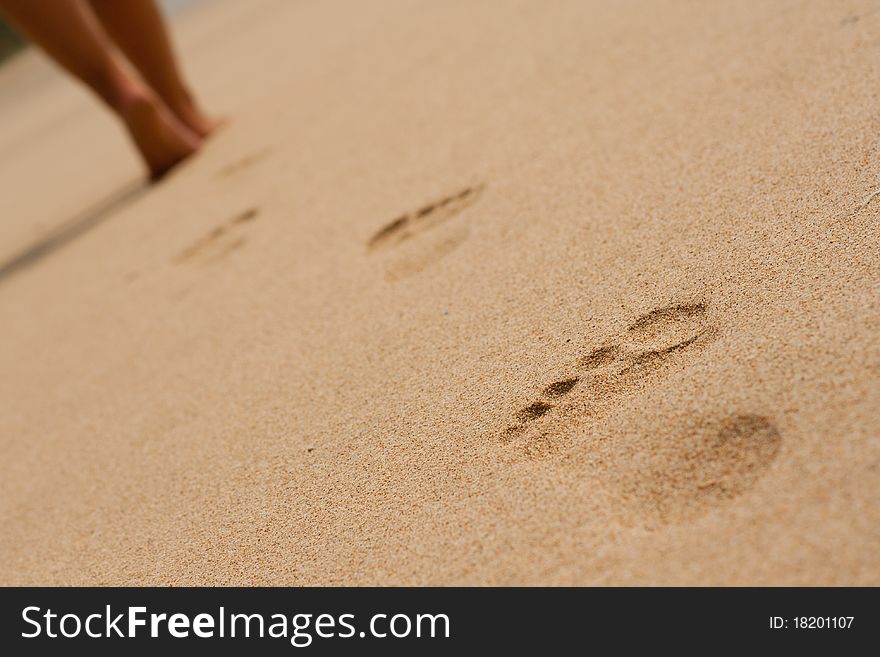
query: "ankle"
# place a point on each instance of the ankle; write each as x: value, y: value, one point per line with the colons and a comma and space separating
x: 122, y: 98
x: 177, y: 98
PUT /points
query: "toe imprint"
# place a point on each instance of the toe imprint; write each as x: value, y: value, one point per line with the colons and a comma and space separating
x: 600, y: 357
x: 560, y: 388
x: 533, y: 411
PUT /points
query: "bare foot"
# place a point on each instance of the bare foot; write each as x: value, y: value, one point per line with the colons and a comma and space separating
x: 203, y: 126
x: 161, y: 138
x: 189, y: 113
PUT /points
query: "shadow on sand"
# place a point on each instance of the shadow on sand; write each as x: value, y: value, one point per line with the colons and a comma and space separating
x: 72, y: 229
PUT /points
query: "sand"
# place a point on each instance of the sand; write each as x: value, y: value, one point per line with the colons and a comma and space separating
x: 466, y: 293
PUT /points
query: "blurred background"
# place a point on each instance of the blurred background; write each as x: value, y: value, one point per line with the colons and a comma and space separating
x: 11, y: 43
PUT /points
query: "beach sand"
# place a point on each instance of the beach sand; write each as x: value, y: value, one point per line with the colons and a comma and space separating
x: 465, y: 293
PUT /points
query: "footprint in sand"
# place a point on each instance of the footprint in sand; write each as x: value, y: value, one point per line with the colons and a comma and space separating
x: 705, y: 466
x: 414, y: 241
x: 243, y: 163
x: 648, y: 346
x: 220, y: 242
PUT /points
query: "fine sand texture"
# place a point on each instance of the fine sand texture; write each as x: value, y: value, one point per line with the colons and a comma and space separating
x: 525, y: 292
